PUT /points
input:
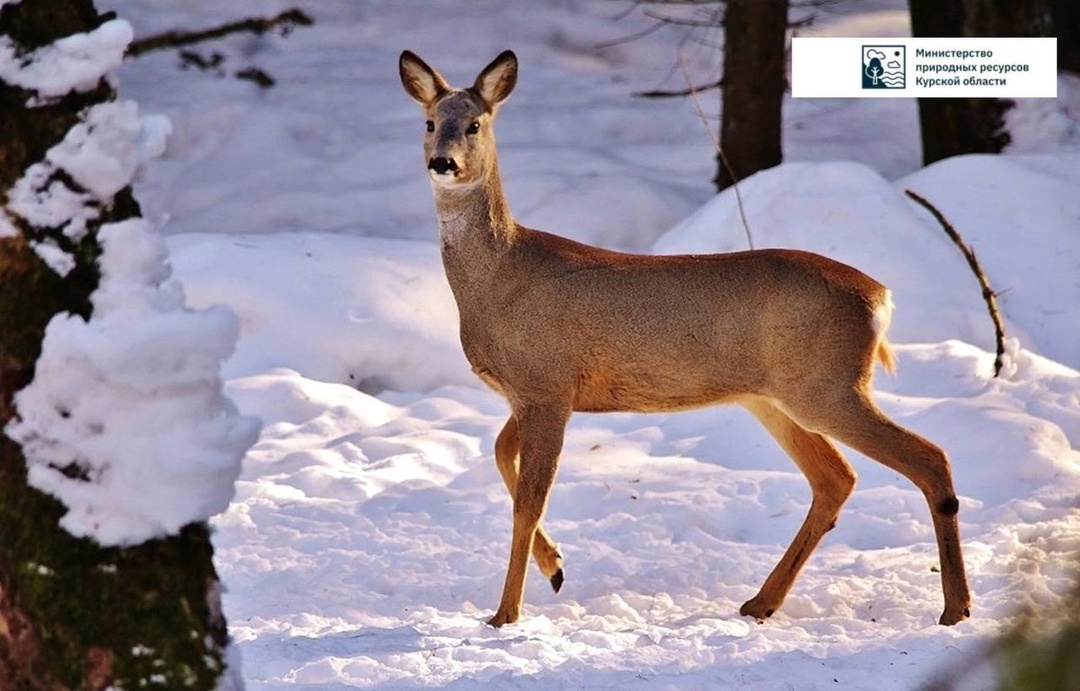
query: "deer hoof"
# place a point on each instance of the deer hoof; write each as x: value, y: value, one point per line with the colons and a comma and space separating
x: 950, y: 617
x: 557, y: 581
x: 753, y: 608
x: 501, y: 618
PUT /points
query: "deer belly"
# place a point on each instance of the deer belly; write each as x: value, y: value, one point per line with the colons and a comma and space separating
x: 603, y: 389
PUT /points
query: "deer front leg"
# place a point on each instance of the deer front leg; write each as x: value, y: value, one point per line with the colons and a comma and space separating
x: 507, y: 455
x: 541, y: 435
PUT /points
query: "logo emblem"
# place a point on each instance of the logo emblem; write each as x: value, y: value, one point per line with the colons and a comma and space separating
x: 883, y: 67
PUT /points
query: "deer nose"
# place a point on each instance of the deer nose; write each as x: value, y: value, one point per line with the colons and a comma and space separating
x: 442, y: 165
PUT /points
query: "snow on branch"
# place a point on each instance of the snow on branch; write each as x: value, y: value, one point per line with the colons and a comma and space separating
x: 72, y: 63
x: 174, y: 39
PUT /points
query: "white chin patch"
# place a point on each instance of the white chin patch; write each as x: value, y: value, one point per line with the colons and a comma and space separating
x: 443, y: 179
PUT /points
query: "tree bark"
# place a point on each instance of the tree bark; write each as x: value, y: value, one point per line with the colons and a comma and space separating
x: 74, y: 615
x: 954, y: 126
x: 1066, y: 16
x: 753, y: 88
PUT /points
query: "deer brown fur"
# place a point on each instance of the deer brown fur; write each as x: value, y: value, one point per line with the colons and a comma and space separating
x: 556, y: 326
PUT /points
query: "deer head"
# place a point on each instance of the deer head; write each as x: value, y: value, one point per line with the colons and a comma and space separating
x: 459, y: 143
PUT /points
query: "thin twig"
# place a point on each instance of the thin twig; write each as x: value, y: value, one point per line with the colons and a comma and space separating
x: 628, y: 11
x: 173, y: 39
x: 631, y: 37
x: 987, y: 292
x: 257, y: 76
x: 713, y: 21
x: 684, y: 2
x: 677, y: 93
x: 720, y: 151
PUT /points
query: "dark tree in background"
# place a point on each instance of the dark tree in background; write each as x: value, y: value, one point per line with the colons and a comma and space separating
x: 754, y: 74
x: 1066, y: 15
x: 753, y: 88
x: 74, y: 615
x: 754, y: 78
x: 953, y: 126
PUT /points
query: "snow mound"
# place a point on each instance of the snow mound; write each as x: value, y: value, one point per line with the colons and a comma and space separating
x: 850, y: 213
x: 367, y: 541
x: 382, y: 525
x: 1037, y: 125
x: 1012, y: 210
x: 368, y: 312
x: 1019, y: 214
x: 391, y: 510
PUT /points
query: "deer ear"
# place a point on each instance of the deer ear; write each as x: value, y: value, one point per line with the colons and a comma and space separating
x: 497, y: 80
x: 420, y: 81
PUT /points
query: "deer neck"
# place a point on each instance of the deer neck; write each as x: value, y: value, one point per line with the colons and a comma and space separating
x: 475, y: 230
x: 474, y: 213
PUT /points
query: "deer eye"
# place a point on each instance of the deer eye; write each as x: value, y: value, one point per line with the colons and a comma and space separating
x: 473, y: 128
x: 430, y: 126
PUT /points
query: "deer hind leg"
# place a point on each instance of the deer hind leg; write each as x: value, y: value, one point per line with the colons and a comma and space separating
x: 856, y: 421
x: 831, y: 479
x: 541, y: 432
x: 507, y: 456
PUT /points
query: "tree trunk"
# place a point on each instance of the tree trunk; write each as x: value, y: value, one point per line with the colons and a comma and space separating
x: 74, y: 615
x: 1066, y: 17
x: 753, y: 90
x: 954, y: 126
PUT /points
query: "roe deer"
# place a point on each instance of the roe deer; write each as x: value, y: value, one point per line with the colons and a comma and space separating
x: 556, y: 326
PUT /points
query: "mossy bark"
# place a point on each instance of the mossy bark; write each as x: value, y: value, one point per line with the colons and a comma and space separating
x: 74, y: 615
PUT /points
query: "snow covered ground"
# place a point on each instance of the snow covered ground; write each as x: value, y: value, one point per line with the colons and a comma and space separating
x: 367, y: 542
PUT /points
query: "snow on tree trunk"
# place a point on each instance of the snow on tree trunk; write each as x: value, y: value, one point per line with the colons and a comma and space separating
x: 119, y: 444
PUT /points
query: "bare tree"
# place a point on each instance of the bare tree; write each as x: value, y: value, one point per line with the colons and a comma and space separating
x: 753, y: 88
x: 754, y: 75
x: 1066, y: 15
x: 72, y: 613
x: 952, y: 126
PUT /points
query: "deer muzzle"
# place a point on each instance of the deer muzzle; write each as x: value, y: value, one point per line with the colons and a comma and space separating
x: 441, y: 165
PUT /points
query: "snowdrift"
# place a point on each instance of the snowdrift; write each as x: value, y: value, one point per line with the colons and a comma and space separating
x: 368, y: 539
x: 379, y: 525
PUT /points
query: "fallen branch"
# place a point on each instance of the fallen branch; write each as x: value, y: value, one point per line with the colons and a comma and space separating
x: 987, y: 292
x: 172, y: 39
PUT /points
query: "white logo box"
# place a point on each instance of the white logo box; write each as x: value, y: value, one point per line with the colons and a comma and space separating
x: 829, y: 67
